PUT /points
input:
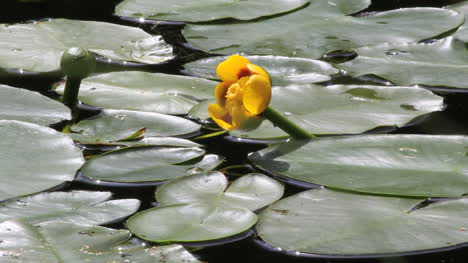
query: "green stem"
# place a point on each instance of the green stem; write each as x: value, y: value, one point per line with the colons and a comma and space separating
x: 280, y: 121
x: 72, y: 88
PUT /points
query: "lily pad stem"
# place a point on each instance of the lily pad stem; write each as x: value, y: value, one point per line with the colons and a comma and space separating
x: 280, y: 121
x: 76, y: 63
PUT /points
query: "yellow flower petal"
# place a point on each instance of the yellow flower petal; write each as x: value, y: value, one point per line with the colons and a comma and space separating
x: 257, y: 70
x: 240, y: 116
x: 220, y: 116
x: 230, y: 69
x: 220, y: 92
x: 257, y: 94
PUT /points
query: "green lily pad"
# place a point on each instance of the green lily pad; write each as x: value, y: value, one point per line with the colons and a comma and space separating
x: 205, y: 10
x: 203, y: 207
x: 146, y: 163
x: 68, y: 243
x: 406, y: 165
x: 84, y: 207
x: 345, y: 109
x: 462, y: 31
x: 251, y: 191
x: 282, y: 70
x: 326, y: 222
x: 161, y: 141
x: 38, y: 46
x: 113, y: 125
x: 321, y: 27
x: 34, y: 158
x: 141, y: 91
x: 24, y: 105
x: 443, y: 63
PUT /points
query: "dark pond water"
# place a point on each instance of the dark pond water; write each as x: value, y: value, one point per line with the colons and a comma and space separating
x: 453, y: 120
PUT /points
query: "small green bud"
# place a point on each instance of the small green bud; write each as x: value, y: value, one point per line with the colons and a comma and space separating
x: 77, y: 63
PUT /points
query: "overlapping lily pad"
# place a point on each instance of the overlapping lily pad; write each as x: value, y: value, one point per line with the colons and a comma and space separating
x: 69, y: 243
x: 407, y: 165
x: 38, y: 46
x: 141, y: 91
x: 326, y: 222
x: 203, y: 207
x: 24, y: 105
x: 145, y: 163
x: 205, y: 10
x: 113, y: 125
x: 81, y: 207
x: 442, y: 63
x: 321, y: 27
x: 462, y: 31
x: 345, y: 109
x: 282, y: 70
x: 34, y: 158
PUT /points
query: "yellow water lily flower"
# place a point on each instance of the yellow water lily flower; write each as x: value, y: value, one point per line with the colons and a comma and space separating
x: 243, y: 94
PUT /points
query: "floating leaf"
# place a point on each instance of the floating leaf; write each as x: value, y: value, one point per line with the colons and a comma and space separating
x: 199, y: 207
x: 407, y: 165
x: 321, y: 27
x: 141, y: 91
x: 326, y: 222
x: 38, y: 46
x: 84, y: 207
x: 345, y: 109
x: 34, y: 158
x: 462, y: 31
x: 137, y: 164
x: 204, y: 10
x: 113, y: 125
x: 251, y: 191
x: 70, y: 243
x: 442, y: 63
x: 282, y: 70
x: 24, y: 105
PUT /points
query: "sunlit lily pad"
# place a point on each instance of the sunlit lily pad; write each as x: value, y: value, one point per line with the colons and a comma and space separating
x: 407, y: 165
x: 141, y: 91
x: 204, y: 10
x: 38, y: 46
x: 322, y: 221
x: 442, y: 63
x: 24, y: 105
x: 282, y: 70
x: 251, y: 191
x: 34, y: 158
x: 321, y: 27
x: 203, y: 207
x: 462, y: 31
x: 345, y: 109
x: 137, y: 164
x: 113, y: 125
x: 83, y: 207
x: 70, y: 243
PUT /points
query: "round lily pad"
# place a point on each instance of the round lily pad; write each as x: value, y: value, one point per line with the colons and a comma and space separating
x: 141, y: 91
x: 462, y: 31
x: 110, y: 126
x: 204, y: 10
x: 345, y: 109
x: 149, y: 163
x: 24, y: 105
x: 441, y: 63
x: 282, y: 70
x: 202, y: 207
x: 38, y: 46
x: 325, y: 222
x: 34, y: 158
x: 321, y: 27
x: 69, y: 243
x: 84, y: 207
x: 405, y: 165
